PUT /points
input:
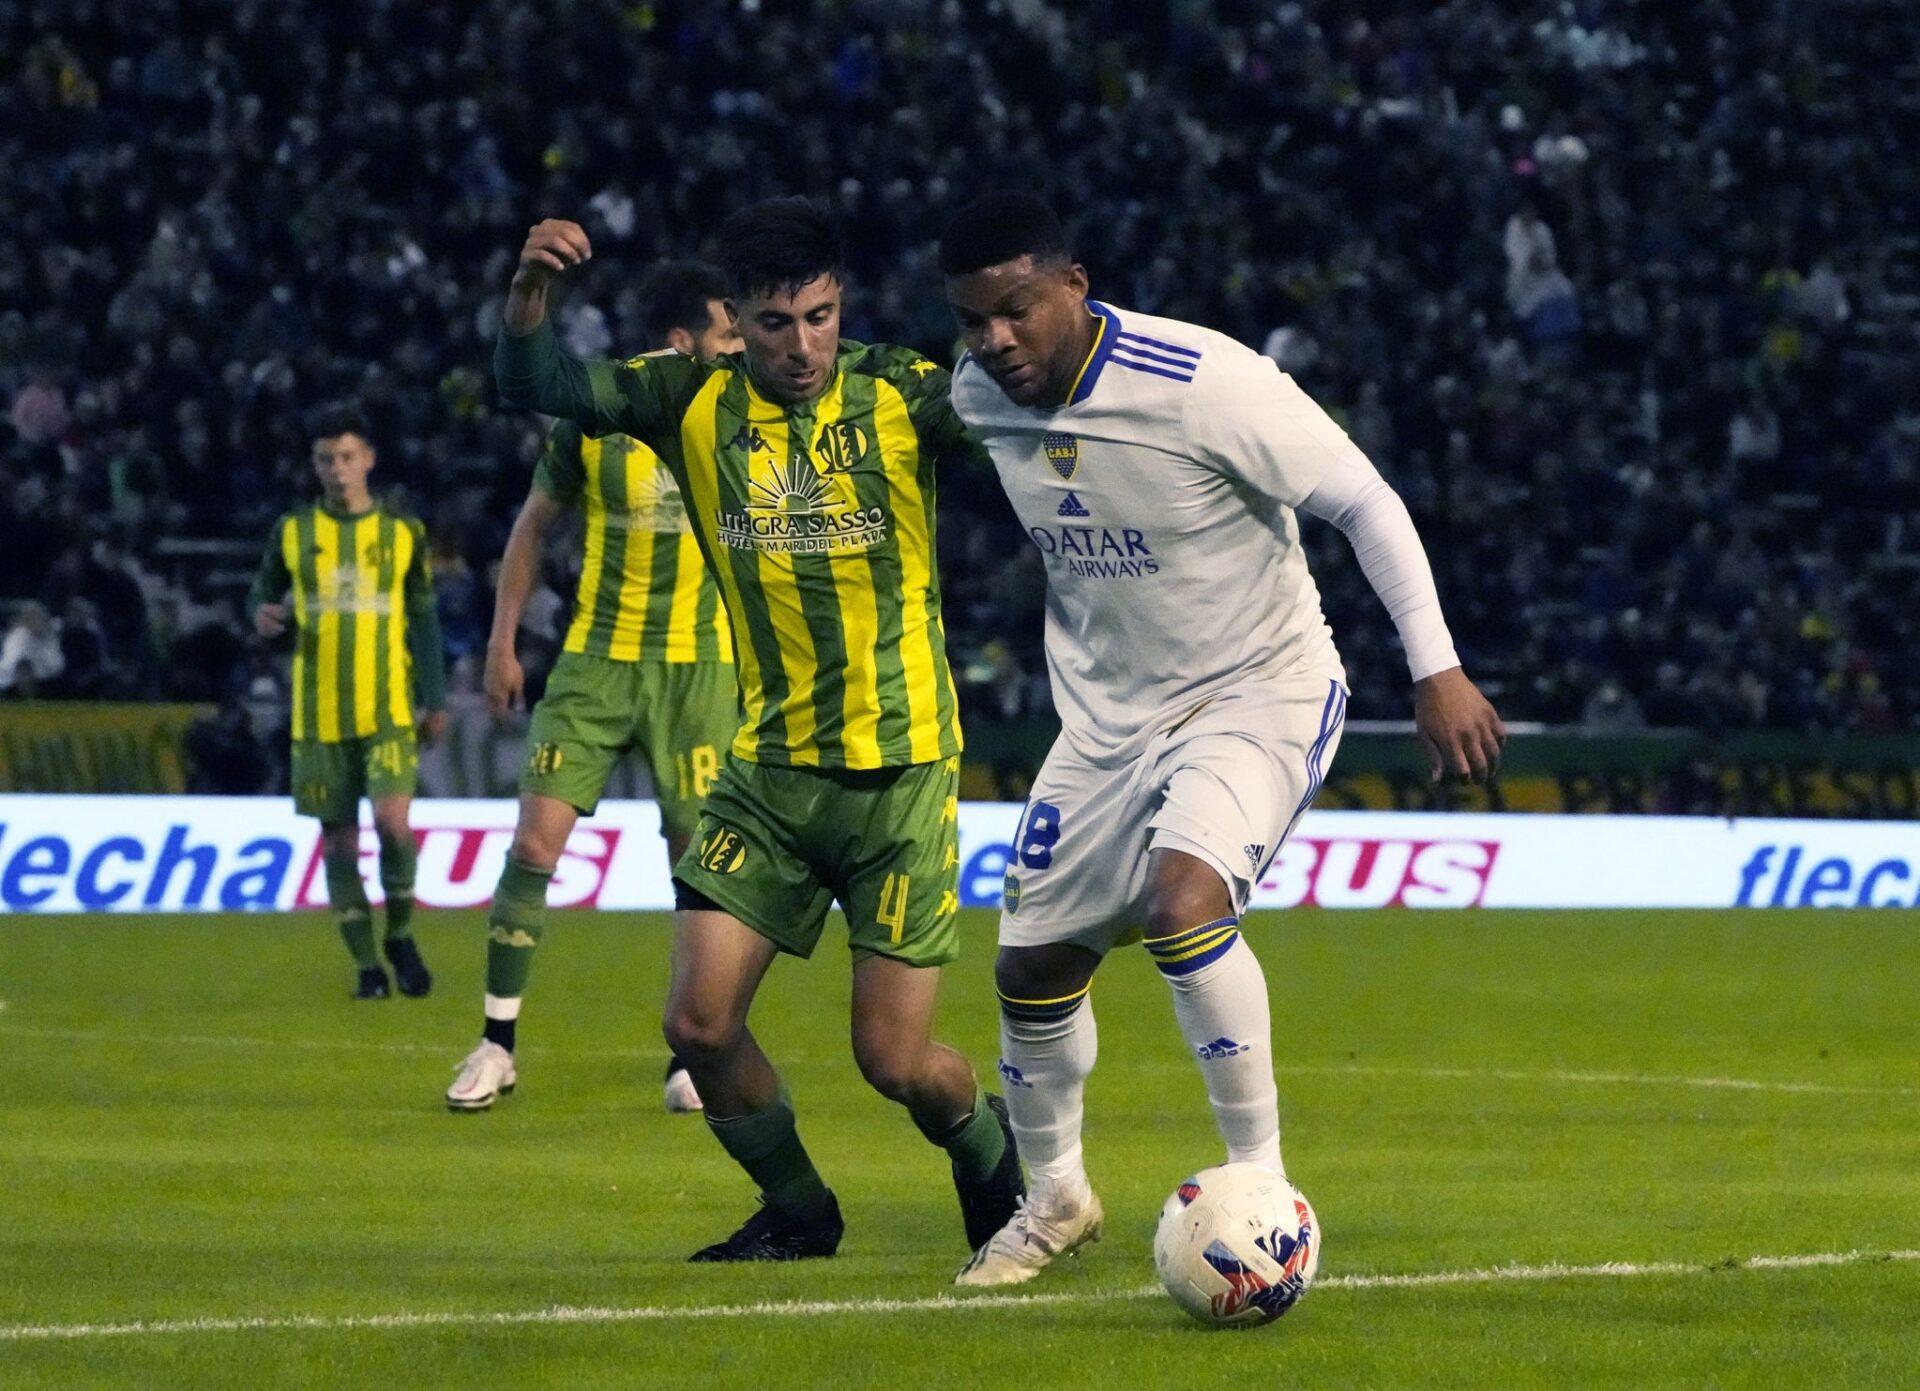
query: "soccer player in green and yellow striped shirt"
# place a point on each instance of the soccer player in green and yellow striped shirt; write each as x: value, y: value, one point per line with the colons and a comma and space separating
x: 808, y: 467
x: 646, y: 665
x: 367, y: 641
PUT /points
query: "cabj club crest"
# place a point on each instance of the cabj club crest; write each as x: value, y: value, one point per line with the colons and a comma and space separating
x: 1063, y: 452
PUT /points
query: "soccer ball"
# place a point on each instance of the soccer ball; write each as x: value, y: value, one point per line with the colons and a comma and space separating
x: 1237, y: 1246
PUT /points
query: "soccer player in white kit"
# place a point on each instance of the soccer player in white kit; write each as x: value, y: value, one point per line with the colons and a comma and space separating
x: 1158, y: 466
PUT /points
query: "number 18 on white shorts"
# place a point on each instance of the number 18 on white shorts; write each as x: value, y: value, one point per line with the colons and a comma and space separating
x: 1224, y: 782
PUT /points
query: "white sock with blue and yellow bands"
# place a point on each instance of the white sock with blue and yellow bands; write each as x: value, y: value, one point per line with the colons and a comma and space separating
x: 1047, y: 1048
x: 1220, y: 1001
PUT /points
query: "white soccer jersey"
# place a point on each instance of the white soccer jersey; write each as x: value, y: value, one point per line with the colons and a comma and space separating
x: 1161, y: 497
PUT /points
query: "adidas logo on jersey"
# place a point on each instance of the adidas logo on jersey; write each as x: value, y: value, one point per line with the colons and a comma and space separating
x: 1222, y: 1047
x: 1071, y: 506
x: 1254, y: 853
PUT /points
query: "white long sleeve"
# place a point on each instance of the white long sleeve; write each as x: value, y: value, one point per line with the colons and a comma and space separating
x: 1354, y: 497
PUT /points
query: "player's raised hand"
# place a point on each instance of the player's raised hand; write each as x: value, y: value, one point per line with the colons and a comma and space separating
x: 1459, y: 728
x: 270, y: 620
x: 504, y: 681
x: 553, y: 245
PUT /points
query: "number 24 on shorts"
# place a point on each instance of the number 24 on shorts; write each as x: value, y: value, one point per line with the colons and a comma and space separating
x: 1038, y: 835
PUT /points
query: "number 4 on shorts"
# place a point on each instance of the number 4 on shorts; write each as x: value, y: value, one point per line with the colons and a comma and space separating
x: 892, y: 913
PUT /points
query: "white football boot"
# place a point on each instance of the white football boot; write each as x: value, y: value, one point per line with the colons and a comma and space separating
x: 1030, y: 1243
x: 486, y: 1073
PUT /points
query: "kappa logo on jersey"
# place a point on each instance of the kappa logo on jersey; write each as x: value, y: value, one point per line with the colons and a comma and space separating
x: 750, y: 439
x: 1071, y: 506
x: 1063, y: 452
x: 723, y: 851
x: 1222, y: 1047
x: 796, y: 510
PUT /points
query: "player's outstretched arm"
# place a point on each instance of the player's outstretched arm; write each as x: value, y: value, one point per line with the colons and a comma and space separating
x: 1458, y: 728
x: 503, y: 679
x: 641, y: 397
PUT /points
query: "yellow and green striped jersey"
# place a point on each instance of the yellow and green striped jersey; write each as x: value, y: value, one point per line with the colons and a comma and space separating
x: 365, y: 627
x: 818, y: 523
x: 645, y: 594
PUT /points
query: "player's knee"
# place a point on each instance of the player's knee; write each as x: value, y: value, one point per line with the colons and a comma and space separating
x: 1041, y: 973
x: 1177, y: 903
x: 391, y: 826
x: 534, y: 851
x: 693, y: 1032
x: 890, y: 1069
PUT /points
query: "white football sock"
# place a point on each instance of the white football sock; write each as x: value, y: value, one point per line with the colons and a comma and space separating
x: 1220, y: 1001
x: 1044, y: 1061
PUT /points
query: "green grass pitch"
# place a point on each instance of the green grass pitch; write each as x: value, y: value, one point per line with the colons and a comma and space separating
x: 197, y: 1124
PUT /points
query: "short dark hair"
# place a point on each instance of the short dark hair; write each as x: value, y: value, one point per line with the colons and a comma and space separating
x: 337, y: 418
x: 676, y: 294
x: 1002, y: 227
x: 777, y: 245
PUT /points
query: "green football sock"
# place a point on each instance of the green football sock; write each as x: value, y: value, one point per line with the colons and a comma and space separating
x: 768, y: 1147
x: 351, y: 912
x: 514, y: 925
x: 397, y: 860
x: 975, y: 1144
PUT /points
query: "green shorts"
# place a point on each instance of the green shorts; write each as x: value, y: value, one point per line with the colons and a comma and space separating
x: 330, y: 779
x: 777, y: 846
x: 680, y: 715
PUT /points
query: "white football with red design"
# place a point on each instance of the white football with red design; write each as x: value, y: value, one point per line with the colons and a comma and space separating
x: 1237, y: 1246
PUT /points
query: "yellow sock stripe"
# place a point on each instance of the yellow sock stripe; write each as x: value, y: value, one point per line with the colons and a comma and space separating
x: 1168, y: 955
x: 1175, y: 958
x: 1061, y: 1005
x: 1178, y: 940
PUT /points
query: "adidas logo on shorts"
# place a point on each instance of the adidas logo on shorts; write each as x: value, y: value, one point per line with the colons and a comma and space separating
x: 1071, y: 506
x: 1254, y: 852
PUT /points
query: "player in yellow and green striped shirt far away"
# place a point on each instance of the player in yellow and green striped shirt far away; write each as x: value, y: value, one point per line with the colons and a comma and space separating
x: 808, y: 465
x: 352, y: 578
x: 646, y: 666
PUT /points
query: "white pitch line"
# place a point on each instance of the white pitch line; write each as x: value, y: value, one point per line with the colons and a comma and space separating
x: 942, y: 1303
x: 307, y: 1045
x: 1611, y: 1079
x: 1451, y: 1074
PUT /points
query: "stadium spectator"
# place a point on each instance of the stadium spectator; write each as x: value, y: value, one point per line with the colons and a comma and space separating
x: 31, y: 657
x: 217, y: 214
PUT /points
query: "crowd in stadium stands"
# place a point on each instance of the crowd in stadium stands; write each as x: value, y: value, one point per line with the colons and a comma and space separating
x: 1620, y: 294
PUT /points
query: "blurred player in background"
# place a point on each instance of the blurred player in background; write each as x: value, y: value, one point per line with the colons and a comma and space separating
x: 1158, y: 466
x: 366, y: 656
x: 808, y: 464
x: 647, y: 666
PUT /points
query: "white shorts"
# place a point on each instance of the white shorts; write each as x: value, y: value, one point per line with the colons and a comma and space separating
x: 1225, y: 785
